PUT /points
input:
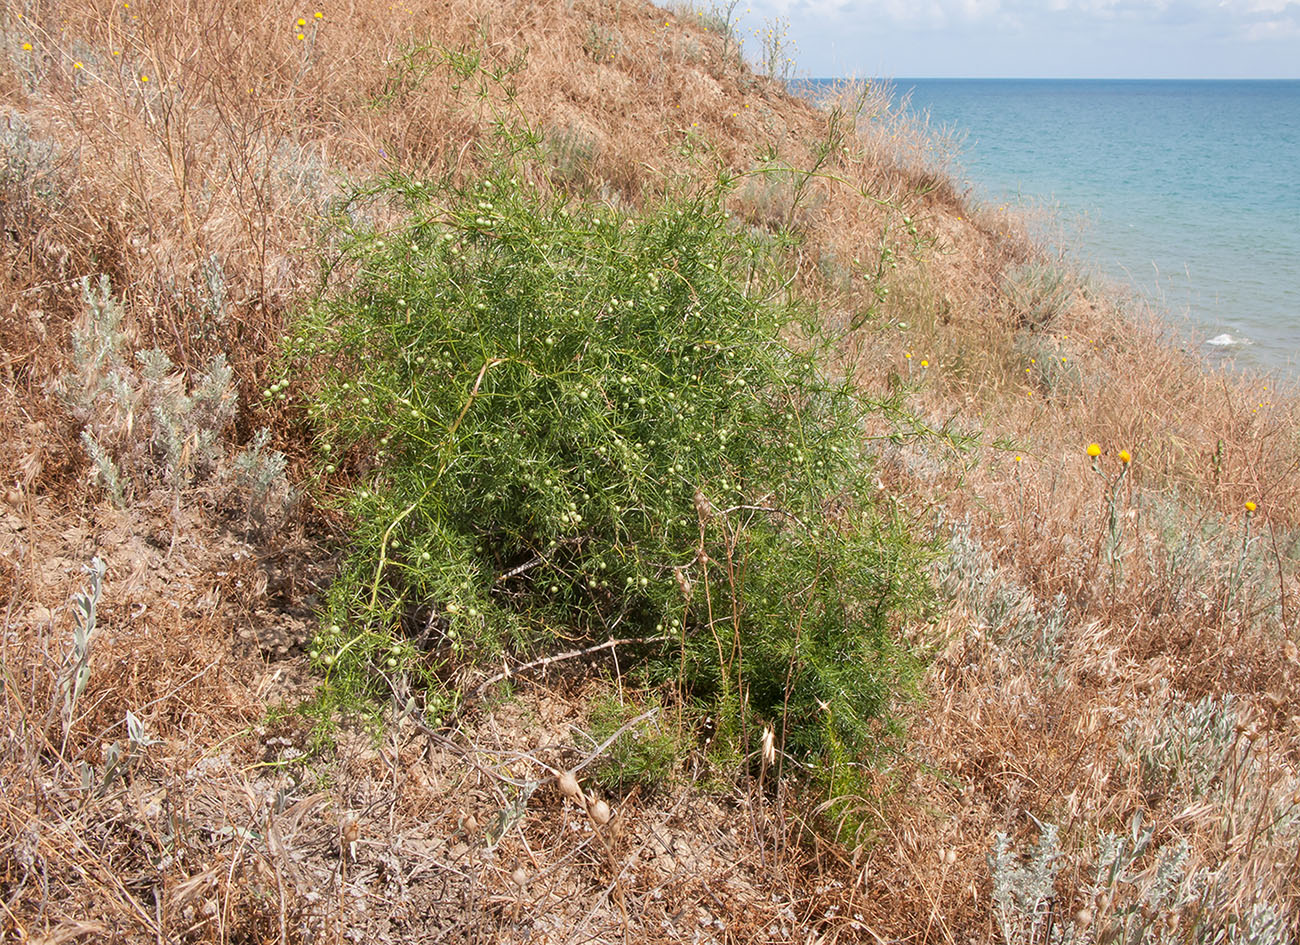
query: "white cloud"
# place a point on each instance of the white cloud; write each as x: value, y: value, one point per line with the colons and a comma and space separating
x: 1272, y: 29
x: 1260, y: 6
x: 1245, y: 19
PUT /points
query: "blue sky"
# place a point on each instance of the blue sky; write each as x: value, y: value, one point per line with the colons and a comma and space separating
x: 1048, y: 38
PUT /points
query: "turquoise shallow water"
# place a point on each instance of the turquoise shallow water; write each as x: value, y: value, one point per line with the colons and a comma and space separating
x: 1188, y: 191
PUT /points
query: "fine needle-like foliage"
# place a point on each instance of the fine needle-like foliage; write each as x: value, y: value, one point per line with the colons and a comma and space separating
x: 566, y: 422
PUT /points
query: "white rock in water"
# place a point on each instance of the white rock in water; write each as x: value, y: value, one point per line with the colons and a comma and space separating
x: 1222, y: 341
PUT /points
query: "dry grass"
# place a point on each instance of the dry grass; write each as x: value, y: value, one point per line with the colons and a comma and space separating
x: 1073, y: 648
x: 1093, y: 612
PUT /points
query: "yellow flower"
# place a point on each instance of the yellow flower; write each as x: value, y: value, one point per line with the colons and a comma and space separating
x: 925, y: 363
x: 908, y: 355
x: 1094, y: 450
x: 76, y: 65
x: 27, y: 47
x: 1125, y: 457
x: 318, y: 15
x: 1250, y: 507
x: 300, y: 37
x: 144, y: 78
x: 301, y: 22
x: 1018, y: 458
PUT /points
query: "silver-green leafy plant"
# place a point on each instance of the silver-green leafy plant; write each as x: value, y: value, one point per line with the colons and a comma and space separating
x: 1038, y: 293
x: 1008, y: 612
x: 1140, y: 891
x: 118, y: 759
x: 28, y: 163
x: 145, y: 423
x: 1186, y: 750
x: 76, y: 670
x: 260, y: 475
x: 148, y: 425
x: 1136, y: 888
x: 1024, y: 888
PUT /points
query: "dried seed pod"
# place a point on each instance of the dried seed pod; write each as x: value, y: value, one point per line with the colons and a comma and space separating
x: 350, y: 829
x: 569, y: 786
x: 950, y: 857
x: 1083, y: 918
x: 469, y: 824
x: 599, y: 812
x: 683, y: 583
x: 349, y: 834
x: 519, y: 877
x: 703, y: 507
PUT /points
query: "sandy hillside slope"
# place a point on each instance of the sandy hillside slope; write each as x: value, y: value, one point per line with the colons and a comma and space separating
x: 1103, y: 744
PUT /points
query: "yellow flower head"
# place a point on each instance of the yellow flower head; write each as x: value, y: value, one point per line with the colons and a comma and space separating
x: 301, y: 22
x: 908, y: 355
x: 27, y: 47
x: 1125, y: 457
x: 925, y: 363
x: 1018, y: 458
x: 1250, y: 507
x: 144, y: 78
x: 76, y: 65
x: 318, y: 15
x: 301, y: 37
x: 1094, y: 450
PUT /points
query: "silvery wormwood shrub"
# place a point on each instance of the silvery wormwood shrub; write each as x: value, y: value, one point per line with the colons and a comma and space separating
x: 560, y: 421
x: 145, y: 423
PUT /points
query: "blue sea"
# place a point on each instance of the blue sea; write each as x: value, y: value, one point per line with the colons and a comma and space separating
x: 1186, y: 191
